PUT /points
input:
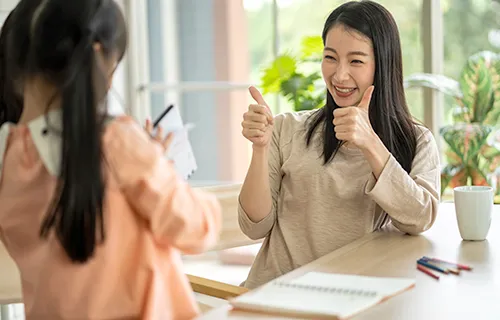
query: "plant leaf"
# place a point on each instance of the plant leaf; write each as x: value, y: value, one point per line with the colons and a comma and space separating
x: 453, y: 176
x: 312, y: 48
x: 300, y: 91
x: 489, y: 152
x: 434, y: 81
x: 466, y: 139
x: 476, y: 83
x: 493, y: 141
x: 452, y: 157
x: 493, y: 116
x: 478, y: 177
x: 306, y: 104
x: 493, y: 163
x: 460, y: 114
x: 297, y: 83
x: 281, y: 68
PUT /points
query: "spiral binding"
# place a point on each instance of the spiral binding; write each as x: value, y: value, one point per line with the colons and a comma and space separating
x: 342, y: 291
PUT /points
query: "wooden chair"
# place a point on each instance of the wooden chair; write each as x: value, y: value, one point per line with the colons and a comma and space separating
x: 214, y: 288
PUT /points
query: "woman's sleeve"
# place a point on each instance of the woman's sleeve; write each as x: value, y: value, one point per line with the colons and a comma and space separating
x: 260, y: 229
x: 411, y: 200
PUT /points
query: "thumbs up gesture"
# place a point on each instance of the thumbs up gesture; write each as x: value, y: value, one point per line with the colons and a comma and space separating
x: 352, y: 124
x: 258, y: 121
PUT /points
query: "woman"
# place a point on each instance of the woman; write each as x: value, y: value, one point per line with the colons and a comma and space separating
x: 93, y: 214
x: 321, y: 179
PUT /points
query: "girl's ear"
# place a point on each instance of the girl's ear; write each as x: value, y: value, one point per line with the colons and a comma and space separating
x: 97, y: 47
x: 103, y: 65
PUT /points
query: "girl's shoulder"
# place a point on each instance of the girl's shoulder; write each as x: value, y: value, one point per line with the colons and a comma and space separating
x: 125, y: 132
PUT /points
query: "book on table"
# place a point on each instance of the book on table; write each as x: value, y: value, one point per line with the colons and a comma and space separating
x: 318, y: 294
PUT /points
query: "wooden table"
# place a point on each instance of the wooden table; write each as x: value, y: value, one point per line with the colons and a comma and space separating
x: 471, y: 295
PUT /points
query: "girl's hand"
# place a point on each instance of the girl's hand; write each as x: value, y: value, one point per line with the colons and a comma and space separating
x: 165, y: 142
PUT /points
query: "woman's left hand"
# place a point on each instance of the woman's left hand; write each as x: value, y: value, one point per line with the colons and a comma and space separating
x: 159, y: 137
x: 352, y: 124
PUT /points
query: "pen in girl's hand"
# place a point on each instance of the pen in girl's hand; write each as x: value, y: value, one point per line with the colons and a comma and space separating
x: 162, y: 115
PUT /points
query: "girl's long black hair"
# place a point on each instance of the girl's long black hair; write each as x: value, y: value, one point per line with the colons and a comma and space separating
x: 11, y: 102
x: 57, y: 44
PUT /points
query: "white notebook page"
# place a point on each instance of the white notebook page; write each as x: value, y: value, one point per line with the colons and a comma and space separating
x: 384, y: 286
x: 325, y: 294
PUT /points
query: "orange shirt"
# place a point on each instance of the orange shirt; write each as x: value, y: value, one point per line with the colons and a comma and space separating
x: 151, y: 216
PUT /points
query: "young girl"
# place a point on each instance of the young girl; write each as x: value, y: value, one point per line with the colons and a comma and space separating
x: 321, y: 179
x: 91, y: 211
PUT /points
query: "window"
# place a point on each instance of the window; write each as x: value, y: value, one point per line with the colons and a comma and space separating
x: 263, y: 41
x: 202, y: 55
x: 197, y: 58
x: 470, y: 26
x: 295, y: 20
x: 408, y: 16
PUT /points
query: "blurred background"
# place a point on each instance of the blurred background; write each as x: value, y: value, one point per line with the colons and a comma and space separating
x: 201, y: 55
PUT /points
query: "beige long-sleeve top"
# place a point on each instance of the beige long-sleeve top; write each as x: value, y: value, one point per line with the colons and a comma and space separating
x: 317, y: 208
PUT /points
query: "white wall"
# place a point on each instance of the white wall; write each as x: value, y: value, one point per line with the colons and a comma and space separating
x: 118, y: 94
x: 7, y: 5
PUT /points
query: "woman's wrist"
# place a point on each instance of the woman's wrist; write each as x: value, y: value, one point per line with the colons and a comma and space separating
x: 377, y: 155
x: 258, y: 149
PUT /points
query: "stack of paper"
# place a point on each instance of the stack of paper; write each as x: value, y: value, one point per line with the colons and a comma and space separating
x: 180, y: 151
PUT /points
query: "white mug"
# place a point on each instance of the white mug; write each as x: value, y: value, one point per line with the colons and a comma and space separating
x: 473, y: 207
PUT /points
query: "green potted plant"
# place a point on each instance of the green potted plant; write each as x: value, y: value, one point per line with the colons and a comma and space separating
x: 473, y: 139
x: 294, y: 76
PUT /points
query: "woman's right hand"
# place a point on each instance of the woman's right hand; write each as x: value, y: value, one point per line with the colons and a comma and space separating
x: 258, y: 121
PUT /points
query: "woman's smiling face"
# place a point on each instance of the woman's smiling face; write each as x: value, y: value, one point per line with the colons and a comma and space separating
x: 348, y: 65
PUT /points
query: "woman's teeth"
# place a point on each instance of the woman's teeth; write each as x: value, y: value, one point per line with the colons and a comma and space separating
x: 344, y: 90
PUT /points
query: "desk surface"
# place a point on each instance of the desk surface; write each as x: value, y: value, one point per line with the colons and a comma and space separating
x: 474, y: 294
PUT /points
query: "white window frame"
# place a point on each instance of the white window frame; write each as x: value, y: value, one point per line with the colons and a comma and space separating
x: 173, y: 87
x: 136, y: 59
x: 433, y: 44
x: 171, y: 65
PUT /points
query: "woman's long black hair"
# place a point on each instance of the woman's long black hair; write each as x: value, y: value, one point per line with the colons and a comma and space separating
x: 389, y: 114
x: 57, y: 44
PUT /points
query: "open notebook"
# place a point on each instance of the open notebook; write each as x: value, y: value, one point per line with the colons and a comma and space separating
x: 322, y: 295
